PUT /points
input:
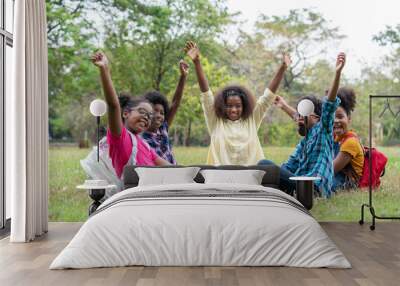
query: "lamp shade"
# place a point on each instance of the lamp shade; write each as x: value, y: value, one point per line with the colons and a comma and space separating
x: 305, y: 107
x: 98, y: 107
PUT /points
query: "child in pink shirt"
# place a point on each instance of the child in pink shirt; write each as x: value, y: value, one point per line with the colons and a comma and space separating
x: 121, y: 151
x: 127, y: 118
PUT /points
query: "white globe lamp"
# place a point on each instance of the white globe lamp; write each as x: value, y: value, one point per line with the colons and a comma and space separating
x: 305, y: 107
x: 98, y: 108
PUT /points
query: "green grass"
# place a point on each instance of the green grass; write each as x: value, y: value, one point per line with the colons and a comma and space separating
x: 345, y: 206
x: 66, y: 203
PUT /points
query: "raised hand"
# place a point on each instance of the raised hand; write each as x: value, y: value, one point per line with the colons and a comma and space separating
x: 279, y: 101
x: 192, y: 50
x: 99, y: 59
x: 340, y: 62
x: 276, y: 80
x: 286, y: 60
x: 183, y: 68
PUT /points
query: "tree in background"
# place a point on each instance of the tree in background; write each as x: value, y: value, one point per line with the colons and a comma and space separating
x: 384, y: 79
x: 71, y: 76
x: 144, y: 41
x: 303, y: 33
x: 156, y: 31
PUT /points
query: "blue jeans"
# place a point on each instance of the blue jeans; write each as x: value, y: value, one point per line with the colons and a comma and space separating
x: 338, y: 182
x: 285, y: 184
x: 342, y: 182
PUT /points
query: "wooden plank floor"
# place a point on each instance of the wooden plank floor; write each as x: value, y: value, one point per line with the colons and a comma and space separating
x: 374, y: 255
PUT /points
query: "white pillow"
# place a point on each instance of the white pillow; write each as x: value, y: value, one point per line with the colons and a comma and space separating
x: 166, y: 176
x: 248, y: 177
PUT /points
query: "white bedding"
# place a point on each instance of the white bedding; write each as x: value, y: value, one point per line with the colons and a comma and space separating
x: 183, y: 231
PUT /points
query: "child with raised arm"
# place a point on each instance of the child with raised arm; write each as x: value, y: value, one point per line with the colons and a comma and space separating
x: 349, y: 154
x: 125, y: 121
x: 314, y: 154
x: 233, y: 116
x: 157, y: 134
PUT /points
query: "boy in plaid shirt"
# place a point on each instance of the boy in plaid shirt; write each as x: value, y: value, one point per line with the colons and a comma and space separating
x: 156, y: 135
x: 313, y: 156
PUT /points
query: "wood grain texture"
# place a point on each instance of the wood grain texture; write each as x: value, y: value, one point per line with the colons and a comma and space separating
x: 374, y: 255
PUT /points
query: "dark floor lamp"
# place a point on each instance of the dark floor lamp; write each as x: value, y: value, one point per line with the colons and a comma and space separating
x: 98, y: 108
x: 304, y: 185
x: 305, y: 108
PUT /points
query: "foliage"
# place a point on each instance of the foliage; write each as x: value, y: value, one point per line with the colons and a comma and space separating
x: 144, y: 41
x: 156, y: 31
x: 304, y: 33
x: 390, y: 36
x: 70, y: 74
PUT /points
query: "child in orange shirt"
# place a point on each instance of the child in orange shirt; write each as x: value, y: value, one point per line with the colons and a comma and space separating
x: 349, y: 155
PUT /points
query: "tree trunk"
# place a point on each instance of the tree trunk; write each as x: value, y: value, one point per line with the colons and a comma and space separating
x: 176, y: 137
x: 187, y: 133
x: 160, y: 56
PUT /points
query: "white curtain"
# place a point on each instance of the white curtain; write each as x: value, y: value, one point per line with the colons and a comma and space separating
x: 27, y: 124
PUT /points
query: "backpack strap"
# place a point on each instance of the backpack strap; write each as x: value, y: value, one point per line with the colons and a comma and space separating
x: 132, y: 159
x: 348, y: 136
x: 352, y: 135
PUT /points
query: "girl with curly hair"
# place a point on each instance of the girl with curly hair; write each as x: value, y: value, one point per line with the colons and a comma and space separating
x: 349, y: 155
x: 127, y: 118
x: 233, y: 116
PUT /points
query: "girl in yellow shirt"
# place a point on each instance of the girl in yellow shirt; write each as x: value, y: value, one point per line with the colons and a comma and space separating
x: 233, y: 116
x: 349, y: 161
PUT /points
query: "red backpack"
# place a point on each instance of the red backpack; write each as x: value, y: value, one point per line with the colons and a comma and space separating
x: 379, y: 161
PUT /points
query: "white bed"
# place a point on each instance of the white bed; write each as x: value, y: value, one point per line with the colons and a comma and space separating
x: 224, y: 225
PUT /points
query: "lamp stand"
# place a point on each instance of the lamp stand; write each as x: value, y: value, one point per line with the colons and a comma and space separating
x: 305, y: 136
x: 98, y: 137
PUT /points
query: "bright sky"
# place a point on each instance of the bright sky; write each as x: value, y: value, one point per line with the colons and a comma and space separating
x: 359, y: 20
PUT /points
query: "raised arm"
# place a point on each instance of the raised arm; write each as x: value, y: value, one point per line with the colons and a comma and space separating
x: 282, y: 104
x: 274, y: 84
x: 176, y: 100
x: 100, y: 60
x: 193, y: 52
x: 329, y: 107
x: 340, y: 62
x: 265, y: 101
